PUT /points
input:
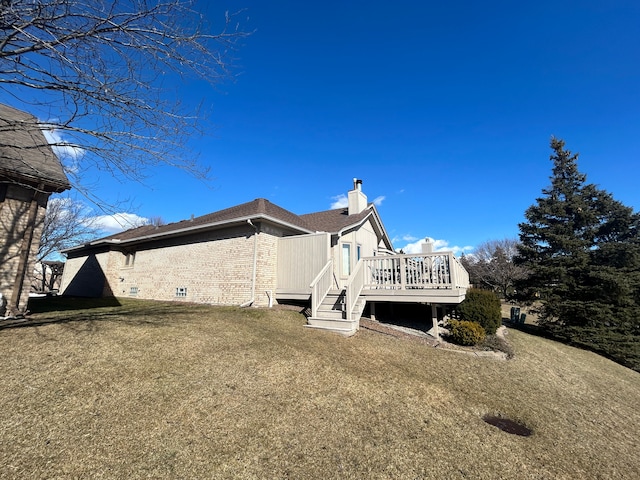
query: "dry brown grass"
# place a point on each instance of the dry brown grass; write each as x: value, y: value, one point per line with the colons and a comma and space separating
x: 153, y: 390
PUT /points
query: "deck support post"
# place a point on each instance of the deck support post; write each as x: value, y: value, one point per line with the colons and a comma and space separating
x: 434, y: 319
x: 372, y: 310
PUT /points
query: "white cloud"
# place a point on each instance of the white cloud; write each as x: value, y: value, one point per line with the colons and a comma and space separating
x: 404, y: 238
x: 119, y: 221
x: 438, y: 246
x: 378, y: 200
x: 342, y: 201
x: 339, y: 201
x: 68, y: 153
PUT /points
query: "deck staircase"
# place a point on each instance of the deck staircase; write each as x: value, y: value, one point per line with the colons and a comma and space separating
x: 331, y: 314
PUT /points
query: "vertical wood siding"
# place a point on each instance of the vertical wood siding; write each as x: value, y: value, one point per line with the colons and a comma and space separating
x: 300, y: 258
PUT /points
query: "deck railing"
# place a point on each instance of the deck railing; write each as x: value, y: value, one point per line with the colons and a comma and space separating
x: 405, y: 272
x: 421, y: 271
x: 320, y: 286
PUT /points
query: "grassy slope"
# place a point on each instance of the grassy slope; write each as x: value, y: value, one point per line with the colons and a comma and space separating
x: 177, y: 391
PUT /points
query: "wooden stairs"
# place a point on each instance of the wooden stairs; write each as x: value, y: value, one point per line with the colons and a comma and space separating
x: 332, y: 314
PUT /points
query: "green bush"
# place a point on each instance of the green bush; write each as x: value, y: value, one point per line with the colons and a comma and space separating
x: 483, y: 307
x: 465, y: 333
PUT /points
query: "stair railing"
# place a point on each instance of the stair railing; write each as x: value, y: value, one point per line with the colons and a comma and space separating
x: 320, y: 287
x: 354, y: 287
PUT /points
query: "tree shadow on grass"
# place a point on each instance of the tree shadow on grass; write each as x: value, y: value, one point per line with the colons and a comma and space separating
x: 88, y: 312
x: 65, y: 303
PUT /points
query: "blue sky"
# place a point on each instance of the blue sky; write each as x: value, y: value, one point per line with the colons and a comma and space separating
x: 444, y: 110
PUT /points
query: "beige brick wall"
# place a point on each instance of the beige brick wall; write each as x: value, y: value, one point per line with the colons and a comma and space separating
x: 87, y: 275
x: 214, y: 267
x: 267, y: 271
x: 14, y: 214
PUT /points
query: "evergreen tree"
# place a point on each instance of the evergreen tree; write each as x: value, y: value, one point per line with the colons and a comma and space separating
x: 582, y: 251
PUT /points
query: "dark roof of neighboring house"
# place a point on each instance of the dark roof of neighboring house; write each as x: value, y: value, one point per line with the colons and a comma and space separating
x: 25, y: 154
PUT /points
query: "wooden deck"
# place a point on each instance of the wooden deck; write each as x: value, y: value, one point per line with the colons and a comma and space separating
x: 434, y: 278
x: 428, y: 278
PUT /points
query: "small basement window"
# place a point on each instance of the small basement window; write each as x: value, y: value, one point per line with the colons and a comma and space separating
x: 133, y: 291
x: 181, y: 291
x: 129, y: 259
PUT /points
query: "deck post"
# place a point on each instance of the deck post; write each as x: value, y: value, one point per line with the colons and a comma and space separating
x: 372, y: 310
x: 434, y: 319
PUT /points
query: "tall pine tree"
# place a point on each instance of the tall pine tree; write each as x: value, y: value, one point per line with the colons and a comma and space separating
x: 582, y: 250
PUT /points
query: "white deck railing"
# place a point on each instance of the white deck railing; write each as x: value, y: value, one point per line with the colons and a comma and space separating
x: 422, y: 271
x: 320, y: 286
x: 405, y: 272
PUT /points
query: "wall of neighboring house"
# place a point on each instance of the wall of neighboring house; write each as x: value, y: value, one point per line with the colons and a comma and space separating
x: 15, y: 202
x: 213, y: 267
x: 90, y: 275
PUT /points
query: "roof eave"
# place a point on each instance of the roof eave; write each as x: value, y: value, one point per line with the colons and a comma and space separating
x: 373, y: 212
x: 186, y: 231
x: 56, y: 186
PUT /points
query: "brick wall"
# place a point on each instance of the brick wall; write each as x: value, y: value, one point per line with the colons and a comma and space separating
x: 212, y: 267
x: 14, y: 214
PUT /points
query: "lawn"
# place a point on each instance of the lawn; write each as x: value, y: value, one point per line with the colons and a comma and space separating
x: 136, y: 389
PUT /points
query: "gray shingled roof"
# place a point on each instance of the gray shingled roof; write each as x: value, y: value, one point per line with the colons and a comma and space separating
x: 25, y: 154
x: 331, y: 221
x: 256, y: 208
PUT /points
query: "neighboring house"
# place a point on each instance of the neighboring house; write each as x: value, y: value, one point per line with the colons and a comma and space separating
x: 259, y: 254
x: 29, y: 173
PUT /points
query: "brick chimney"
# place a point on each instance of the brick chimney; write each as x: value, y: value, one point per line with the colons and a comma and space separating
x: 357, y: 199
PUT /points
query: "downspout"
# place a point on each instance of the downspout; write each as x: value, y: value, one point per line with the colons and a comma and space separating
x: 14, y: 304
x: 255, y: 261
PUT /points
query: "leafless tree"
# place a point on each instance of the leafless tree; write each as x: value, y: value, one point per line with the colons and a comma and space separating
x: 491, y: 264
x: 67, y: 222
x: 156, y: 221
x: 98, y: 73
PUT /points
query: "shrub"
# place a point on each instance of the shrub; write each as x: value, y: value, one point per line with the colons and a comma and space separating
x: 497, y: 344
x: 483, y: 307
x: 465, y: 333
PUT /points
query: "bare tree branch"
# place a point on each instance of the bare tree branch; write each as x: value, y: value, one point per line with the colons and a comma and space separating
x: 492, y: 265
x: 98, y: 74
x: 67, y: 222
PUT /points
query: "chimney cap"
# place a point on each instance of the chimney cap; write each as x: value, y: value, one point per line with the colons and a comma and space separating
x: 357, y: 183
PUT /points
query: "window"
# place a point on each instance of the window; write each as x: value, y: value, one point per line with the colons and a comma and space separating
x: 129, y: 259
x: 133, y: 291
x: 358, y: 252
x: 346, y: 259
x: 181, y: 291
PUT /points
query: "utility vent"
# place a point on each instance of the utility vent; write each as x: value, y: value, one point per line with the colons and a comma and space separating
x: 181, y: 291
x: 133, y: 291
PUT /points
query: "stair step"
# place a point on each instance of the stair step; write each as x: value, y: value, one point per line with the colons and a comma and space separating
x: 342, y: 331
x: 332, y: 323
x: 330, y: 314
x: 337, y: 322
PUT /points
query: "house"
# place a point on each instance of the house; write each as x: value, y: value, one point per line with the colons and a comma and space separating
x: 258, y: 254
x: 29, y: 173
